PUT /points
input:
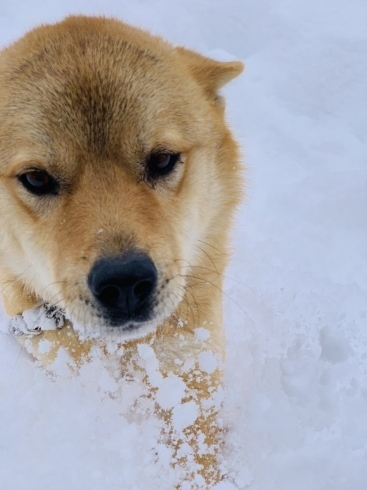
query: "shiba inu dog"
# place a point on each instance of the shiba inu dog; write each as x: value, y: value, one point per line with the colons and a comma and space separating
x: 118, y: 182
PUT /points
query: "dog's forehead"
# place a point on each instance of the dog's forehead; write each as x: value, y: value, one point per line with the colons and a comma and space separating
x: 104, y: 94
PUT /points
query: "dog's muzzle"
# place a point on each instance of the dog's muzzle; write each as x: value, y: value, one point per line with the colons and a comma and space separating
x: 124, y: 287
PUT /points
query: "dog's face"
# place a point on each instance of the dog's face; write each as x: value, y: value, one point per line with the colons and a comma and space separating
x: 115, y: 165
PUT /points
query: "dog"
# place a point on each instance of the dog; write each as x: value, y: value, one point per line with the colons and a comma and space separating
x: 119, y: 179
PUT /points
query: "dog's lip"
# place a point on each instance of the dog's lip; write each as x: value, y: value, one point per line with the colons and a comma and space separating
x: 105, y: 323
x: 122, y: 333
x: 128, y: 326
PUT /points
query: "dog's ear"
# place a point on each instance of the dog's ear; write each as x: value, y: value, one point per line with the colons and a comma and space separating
x: 209, y: 73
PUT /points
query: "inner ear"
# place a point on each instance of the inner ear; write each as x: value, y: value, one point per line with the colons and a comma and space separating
x: 209, y: 73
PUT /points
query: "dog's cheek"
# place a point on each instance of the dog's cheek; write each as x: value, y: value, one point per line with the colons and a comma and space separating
x: 22, y: 256
x: 198, y: 196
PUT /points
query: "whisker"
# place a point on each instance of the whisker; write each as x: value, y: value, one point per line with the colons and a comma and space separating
x: 209, y: 257
x: 52, y: 284
x: 212, y: 246
x: 14, y: 279
x: 190, y: 305
x: 214, y: 272
x: 214, y: 285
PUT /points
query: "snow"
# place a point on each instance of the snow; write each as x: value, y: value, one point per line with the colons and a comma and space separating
x: 295, y: 303
x: 208, y: 362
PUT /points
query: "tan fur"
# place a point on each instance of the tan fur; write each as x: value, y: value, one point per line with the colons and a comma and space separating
x: 88, y: 99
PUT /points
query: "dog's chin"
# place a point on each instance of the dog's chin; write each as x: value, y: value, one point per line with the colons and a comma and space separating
x: 120, y: 333
x: 92, y: 324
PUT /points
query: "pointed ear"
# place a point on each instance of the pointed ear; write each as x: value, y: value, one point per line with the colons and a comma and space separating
x: 211, y: 74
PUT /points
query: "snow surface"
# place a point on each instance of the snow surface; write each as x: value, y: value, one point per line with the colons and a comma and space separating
x: 296, y: 387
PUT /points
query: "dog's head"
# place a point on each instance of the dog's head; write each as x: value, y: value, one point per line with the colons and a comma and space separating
x: 115, y: 165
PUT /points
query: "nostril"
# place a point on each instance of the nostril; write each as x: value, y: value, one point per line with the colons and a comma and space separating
x: 142, y: 289
x: 109, y: 296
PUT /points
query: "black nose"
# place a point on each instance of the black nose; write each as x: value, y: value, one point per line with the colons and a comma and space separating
x: 123, y: 286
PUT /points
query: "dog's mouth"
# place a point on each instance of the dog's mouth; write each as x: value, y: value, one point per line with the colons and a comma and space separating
x: 97, y: 328
x: 92, y: 322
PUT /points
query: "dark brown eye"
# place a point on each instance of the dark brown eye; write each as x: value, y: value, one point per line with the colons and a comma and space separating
x: 39, y: 182
x: 161, y: 163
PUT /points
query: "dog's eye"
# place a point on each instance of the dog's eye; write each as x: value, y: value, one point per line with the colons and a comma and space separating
x: 161, y: 163
x: 39, y: 182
